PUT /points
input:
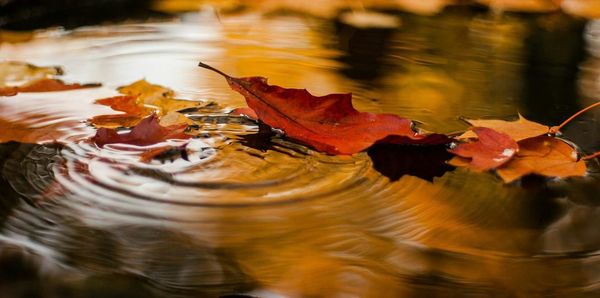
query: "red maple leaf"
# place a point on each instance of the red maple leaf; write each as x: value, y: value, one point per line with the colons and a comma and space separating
x: 146, y: 132
x: 327, y: 123
x: 491, y: 150
x: 515, y: 149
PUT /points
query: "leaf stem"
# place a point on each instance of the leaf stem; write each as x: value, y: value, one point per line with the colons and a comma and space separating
x: 213, y: 69
x: 591, y: 156
x: 556, y: 129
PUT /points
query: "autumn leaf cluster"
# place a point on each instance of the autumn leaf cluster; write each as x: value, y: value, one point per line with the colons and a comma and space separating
x: 151, y: 114
x: 330, y: 124
x: 515, y: 149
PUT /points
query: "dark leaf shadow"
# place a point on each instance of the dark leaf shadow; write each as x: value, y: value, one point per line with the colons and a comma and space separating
x: 260, y: 140
x: 395, y: 161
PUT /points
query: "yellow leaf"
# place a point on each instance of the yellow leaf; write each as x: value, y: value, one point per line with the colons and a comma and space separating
x: 16, y: 77
x: 518, y: 130
x: 13, y: 73
x: 147, y: 93
x: 543, y: 155
x: 174, y: 118
x: 139, y: 100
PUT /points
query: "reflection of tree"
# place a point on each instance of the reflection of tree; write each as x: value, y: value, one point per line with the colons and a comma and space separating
x: 585, y: 132
x: 364, y: 50
x: 550, y: 92
x: 461, y: 62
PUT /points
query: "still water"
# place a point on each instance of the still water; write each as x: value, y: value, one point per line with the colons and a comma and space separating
x: 253, y: 213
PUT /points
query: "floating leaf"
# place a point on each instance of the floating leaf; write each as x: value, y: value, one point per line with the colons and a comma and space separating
x: 175, y: 118
x: 141, y: 99
x: 146, y: 132
x: 543, y: 155
x: 327, y: 123
x: 123, y: 103
x: 518, y: 130
x: 44, y: 85
x: 540, y: 152
x: 157, y: 97
x: 489, y: 151
x: 16, y: 77
x: 134, y: 112
x: 13, y: 73
x: 148, y: 93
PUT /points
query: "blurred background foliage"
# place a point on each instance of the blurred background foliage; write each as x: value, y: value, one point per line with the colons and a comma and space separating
x: 34, y: 14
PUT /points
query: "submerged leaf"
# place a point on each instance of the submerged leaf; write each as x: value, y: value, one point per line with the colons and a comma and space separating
x: 165, y: 152
x: 489, y: 151
x: 543, y: 155
x: 327, y: 123
x: 115, y: 120
x: 146, y: 132
x: 518, y: 130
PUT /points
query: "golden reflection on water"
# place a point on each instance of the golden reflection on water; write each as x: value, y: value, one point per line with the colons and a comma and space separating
x: 259, y: 214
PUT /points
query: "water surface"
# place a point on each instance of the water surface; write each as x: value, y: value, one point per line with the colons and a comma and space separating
x: 254, y: 213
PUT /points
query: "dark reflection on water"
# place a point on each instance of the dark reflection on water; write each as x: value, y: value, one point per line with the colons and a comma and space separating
x: 36, y: 14
x: 395, y: 161
x: 551, y: 73
x: 252, y: 213
x: 363, y: 50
